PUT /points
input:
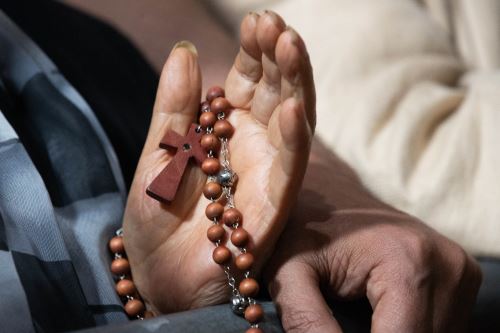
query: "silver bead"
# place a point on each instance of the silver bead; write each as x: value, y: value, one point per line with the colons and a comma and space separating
x: 226, y: 177
x: 238, y: 304
x: 205, y: 108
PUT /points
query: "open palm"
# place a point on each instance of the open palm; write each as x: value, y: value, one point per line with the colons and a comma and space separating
x: 270, y: 86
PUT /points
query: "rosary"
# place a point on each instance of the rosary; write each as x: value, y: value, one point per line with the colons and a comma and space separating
x: 203, y: 143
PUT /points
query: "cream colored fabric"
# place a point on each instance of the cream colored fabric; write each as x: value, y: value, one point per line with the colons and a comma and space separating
x: 409, y: 95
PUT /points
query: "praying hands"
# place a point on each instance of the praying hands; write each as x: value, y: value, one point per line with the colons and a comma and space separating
x: 335, y: 235
x: 231, y: 197
x: 271, y: 89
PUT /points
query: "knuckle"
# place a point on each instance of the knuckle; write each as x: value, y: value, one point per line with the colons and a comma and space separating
x: 410, y: 255
x: 466, y: 271
x: 459, y: 264
x: 418, y: 246
x: 417, y: 250
x: 472, y: 275
x: 476, y: 272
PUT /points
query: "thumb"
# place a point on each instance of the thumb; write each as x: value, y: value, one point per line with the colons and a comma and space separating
x: 302, y: 308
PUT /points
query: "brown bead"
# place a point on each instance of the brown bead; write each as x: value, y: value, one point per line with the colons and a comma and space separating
x: 134, y: 307
x: 221, y: 255
x: 210, y: 142
x: 254, y: 313
x: 116, y: 245
x: 120, y: 266
x: 232, y: 216
x: 216, y: 233
x: 220, y: 104
x: 210, y: 166
x: 214, y: 210
x: 125, y: 287
x: 207, y: 119
x: 254, y: 330
x: 239, y: 237
x: 214, y: 92
x: 148, y: 314
x: 223, y: 129
x: 249, y: 287
x: 244, y: 261
x: 212, y: 190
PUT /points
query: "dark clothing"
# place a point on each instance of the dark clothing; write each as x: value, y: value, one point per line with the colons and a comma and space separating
x: 102, y: 65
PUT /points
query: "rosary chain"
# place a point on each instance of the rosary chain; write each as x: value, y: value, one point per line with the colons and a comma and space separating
x: 227, y: 190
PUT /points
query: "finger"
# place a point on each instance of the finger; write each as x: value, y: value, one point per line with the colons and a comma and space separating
x: 403, y: 305
x: 247, y: 69
x: 458, y: 281
x: 176, y: 106
x: 178, y: 95
x: 268, y: 91
x: 295, y: 138
x: 302, y: 308
x: 297, y: 77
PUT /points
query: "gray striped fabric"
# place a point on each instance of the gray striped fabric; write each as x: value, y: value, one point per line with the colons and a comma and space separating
x: 54, y: 261
x: 14, y: 311
x: 61, y: 199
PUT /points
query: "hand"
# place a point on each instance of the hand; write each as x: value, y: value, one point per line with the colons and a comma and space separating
x: 270, y: 86
x: 342, y: 238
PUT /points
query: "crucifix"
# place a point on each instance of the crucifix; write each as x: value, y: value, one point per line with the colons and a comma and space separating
x: 165, y: 185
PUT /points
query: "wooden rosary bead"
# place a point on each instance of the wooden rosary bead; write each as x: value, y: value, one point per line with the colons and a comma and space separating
x: 116, y: 245
x: 207, y: 119
x: 223, y: 129
x: 220, y: 104
x: 210, y: 166
x: 214, y: 210
x: 254, y: 313
x: 254, y: 330
x: 249, y: 287
x: 214, y: 92
x: 212, y: 191
x: 232, y: 216
x: 120, y: 266
x: 134, y: 307
x: 125, y: 287
x: 244, y: 261
x: 221, y: 255
x: 239, y: 237
x: 216, y: 233
x: 210, y: 142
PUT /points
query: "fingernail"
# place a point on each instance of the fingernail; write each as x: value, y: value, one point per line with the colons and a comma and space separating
x: 186, y: 45
x: 253, y: 15
x: 295, y: 34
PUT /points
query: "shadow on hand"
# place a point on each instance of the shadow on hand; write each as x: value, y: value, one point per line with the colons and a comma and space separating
x: 332, y: 205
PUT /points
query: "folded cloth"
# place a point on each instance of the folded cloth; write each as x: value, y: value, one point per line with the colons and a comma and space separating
x: 407, y: 94
x: 61, y: 198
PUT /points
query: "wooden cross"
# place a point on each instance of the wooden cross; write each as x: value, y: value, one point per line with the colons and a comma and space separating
x: 165, y: 185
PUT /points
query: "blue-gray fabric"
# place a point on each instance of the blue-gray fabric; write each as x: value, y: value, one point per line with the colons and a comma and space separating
x: 30, y: 226
x: 213, y: 319
x: 14, y: 311
x: 54, y: 260
x: 54, y: 264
